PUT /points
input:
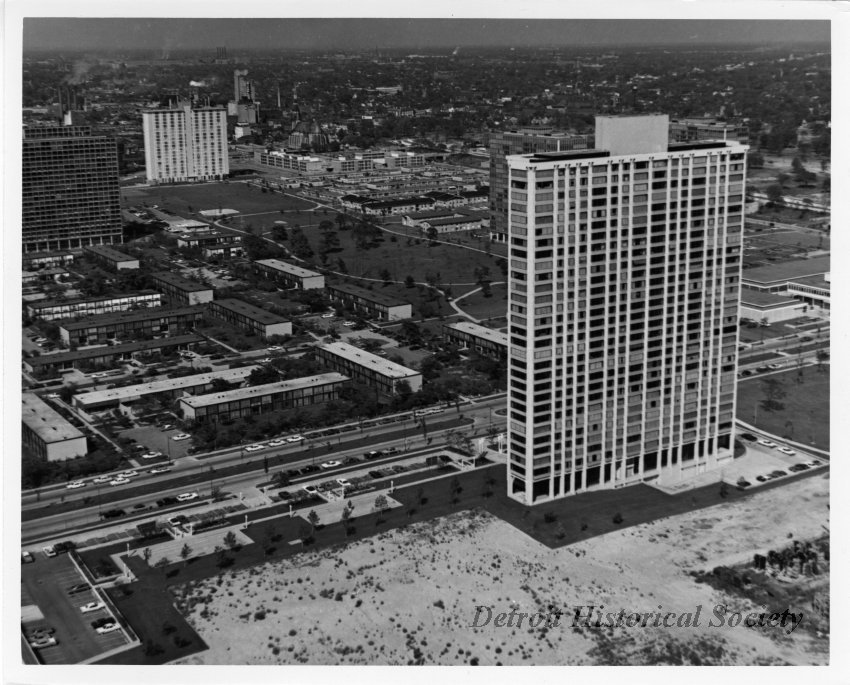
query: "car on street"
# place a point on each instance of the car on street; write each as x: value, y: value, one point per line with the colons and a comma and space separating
x: 151, y: 455
x: 187, y: 496
x: 181, y: 436
x: 102, y: 479
x: 295, y: 438
x: 254, y: 448
x: 128, y: 474
x: 310, y: 489
x: 107, y: 628
x: 274, y: 348
x: 43, y: 641
x: 374, y: 454
x: 774, y: 367
x: 766, y: 443
x: 309, y: 468
x: 787, y: 450
x: 762, y: 369
x: 277, y: 442
x: 349, y: 324
x: 344, y: 482
x: 74, y: 484
x: 92, y: 606
x: 330, y: 464
x: 392, y: 450
x: 119, y: 481
x: 53, y: 396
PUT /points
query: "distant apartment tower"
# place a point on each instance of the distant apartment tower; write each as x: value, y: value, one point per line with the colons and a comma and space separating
x: 243, y: 87
x: 70, y: 196
x: 185, y: 144
x: 624, y: 291
x: 519, y: 142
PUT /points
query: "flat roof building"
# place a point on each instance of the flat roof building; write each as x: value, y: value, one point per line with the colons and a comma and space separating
x: 761, y: 306
x: 291, y: 275
x: 158, y: 321
x: 111, y: 258
x: 369, y: 303
x: 368, y: 368
x: 181, y: 290
x: 262, y: 399
x: 479, y: 338
x: 623, y: 310
x: 46, y: 433
x: 197, y: 384
x: 32, y: 260
x: 51, y: 310
x: 106, y: 355
x: 250, y: 318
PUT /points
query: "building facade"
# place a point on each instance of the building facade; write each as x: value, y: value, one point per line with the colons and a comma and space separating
x: 70, y: 193
x: 51, y: 310
x: 624, y: 280
x: 250, y: 318
x: 159, y: 321
x: 369, y: 303
x: 368, y: 368
x: 289, y: 275
x: 46, y: 434
x: 261, y: 399
x: 476, y: 337
x: 181, y: 290
x: 185, y: 144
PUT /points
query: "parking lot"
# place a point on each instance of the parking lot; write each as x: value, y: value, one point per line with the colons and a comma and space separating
x: 760, y: 461
x: 47, y: 584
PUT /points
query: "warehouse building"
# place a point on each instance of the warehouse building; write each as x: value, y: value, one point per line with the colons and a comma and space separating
x: 197, y: 384
x: 47, y: 434
x: 368, y: 368
x: 180, y: 290
x: 261, y: 399
x: 51, y: 310
x: 369, y: 303
x: 249, y: 318
x: 98, y: 330
x: 289, y: 275
x: 107, y: 355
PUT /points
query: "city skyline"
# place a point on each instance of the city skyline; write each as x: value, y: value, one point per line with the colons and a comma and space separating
x: 77, y: 33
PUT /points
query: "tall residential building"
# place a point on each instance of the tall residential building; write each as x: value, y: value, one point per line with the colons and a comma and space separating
x: 185, y: 144
x: 516, y: 142
x: 243, y: 87
x: 71, y: 196
x: 625, y: 265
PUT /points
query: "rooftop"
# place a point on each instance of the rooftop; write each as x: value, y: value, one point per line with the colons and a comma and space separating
x: 196, y: 401
x: 758, y: 298
x: 110, y: 253
x: 169, y: 384
x: 786, y: 271
x: 480, y: 331
x: 102, y: 350
x: 455, y: 220
x: 45, y: 421
x: 371, y: 361
x: 368, y: 295
x: 131, y: 316
x: 286, y: 267
x: 817, y: 281
x: 178, y: 281
x: 249, y: 310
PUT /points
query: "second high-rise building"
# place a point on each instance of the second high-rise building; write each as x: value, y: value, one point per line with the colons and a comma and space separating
x: 185, y: 144
x: 623, y: 307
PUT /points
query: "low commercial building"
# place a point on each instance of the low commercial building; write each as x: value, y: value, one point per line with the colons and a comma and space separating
x: 181, y: 290
x: 250, y: 318
x: 475, y: 337
x: 806, y: 280
x: 46, y: 433
x: 289, y: 275
x: 111, y: 258
x: 368, y: 368
x: 452, y: 224
x: 52, y: 310
x: 197, y: 384
x: 214, y: 243
x: 369, y: 303
x: 262, y: 399
x: 50, y: 365
x: 98, y: 330
x: 764, y: 307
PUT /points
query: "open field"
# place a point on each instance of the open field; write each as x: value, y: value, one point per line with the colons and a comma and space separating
x: 804, y: 240
x: 230, y: 195
x: 805, y: 416
x: 485, y: 308
x: 411, y: 595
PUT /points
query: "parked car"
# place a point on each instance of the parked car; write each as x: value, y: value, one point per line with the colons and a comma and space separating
x: 160, y: 469
x: 766, y: 443
x: 796, y: 468
x: 328, y: 315
x: 787, y: 450
x: 762, y: 479
x: 42, y: 642
x: 178, y: 520
x: 778, y: 473
x: 310, y: 489
x: 128, y: 473
x: 53, y: 396
x: 330, y: 464
x: 187, y: 496
x: 181, y: 436
x: 278, y: 442
x: 295, y: 438
x: 274, y: 348
x: 168, y: 427
x: 254, y: 448
x: 107, y: 628
x: 49, y: 551
x: 151, y: 455
x: 74, y: 484
x: 349, y: 324
x: 102, y: 479
x: 374, y: 454
x: 344, y: 482
x: 119, y: 481
x: 27, y: 557
x: 92, y: 606
x: 813, y: 463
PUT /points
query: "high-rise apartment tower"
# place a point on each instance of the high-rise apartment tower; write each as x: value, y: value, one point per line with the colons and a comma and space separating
x: 185, y: 144
x: 71, y: 196
x: 624, y: 284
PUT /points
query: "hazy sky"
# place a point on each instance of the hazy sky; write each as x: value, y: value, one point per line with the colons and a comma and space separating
x: 347, y: 34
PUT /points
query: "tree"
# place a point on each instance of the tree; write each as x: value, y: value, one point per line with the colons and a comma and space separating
x: 381, y: 505
x: 822, y: 356
x: 185, y: 553
x: 774, y: 392
x: 385, y: 276
x: 313, y: 518
x: 455, y: 489
x: 774, y: 193
x: 346, y: 517
x: 222, y: 559
x: 431, y: 234
x: 146, y: 555
x: 230, y: 540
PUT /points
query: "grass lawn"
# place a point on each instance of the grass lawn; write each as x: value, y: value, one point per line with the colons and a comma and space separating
x: 800, y: 239
x: 480, y: 307
x: 203, y: 196
x: 805, y: 416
